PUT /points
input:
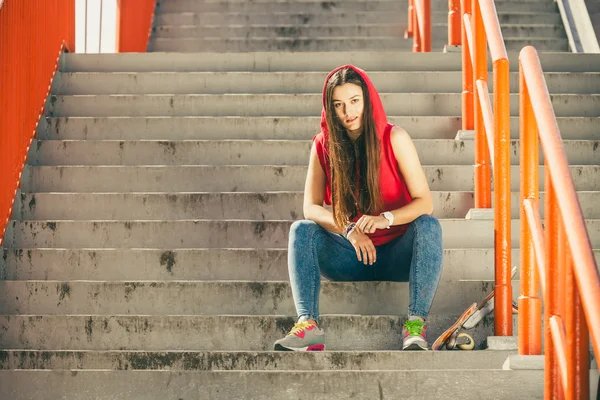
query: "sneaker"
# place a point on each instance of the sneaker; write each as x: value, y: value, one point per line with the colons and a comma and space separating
x: 414, y: 335
x: 304, y: 336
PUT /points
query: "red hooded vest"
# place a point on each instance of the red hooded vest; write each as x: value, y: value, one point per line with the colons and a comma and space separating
x: 394, y: 191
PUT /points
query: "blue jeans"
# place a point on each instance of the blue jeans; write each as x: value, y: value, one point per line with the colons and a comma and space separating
x: 415, y: 257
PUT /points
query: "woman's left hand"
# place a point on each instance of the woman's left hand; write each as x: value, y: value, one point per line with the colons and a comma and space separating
x: 370, y: 223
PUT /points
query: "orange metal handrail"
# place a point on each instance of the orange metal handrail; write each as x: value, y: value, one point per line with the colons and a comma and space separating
x: 419, y: 25
x: 31, y: 40
x: 454, y: 23
x: 135, y: 25
x: 568, y: 273
x: 480, y: 29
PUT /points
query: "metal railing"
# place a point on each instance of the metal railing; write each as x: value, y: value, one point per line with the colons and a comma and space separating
x: 134, y: 25
x: 131, y: 28
x: 566, y: 268
x: 31, y: 40
x: 492, y: 138
x: 419, y: 25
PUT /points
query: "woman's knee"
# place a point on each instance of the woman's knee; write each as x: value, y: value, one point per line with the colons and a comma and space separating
x: 303, y: 229
x: 428, y: 222
x: 428, y: 225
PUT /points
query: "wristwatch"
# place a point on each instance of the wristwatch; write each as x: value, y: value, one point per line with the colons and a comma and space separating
x: 389, y: 216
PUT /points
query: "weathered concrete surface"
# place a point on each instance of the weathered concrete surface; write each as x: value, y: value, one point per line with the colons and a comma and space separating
x: 244, y: 44
x: 226, y: 333
x: 301, y: 61
x: 173, y: 206
x: 252, y: 178
x: 502, y: 343
x: 350, y: 18
x: 199, y: 264
x: 88, y: 83
x: 386, y: 6
x: 252, y: 360
x: 226, y: 298
x: 264, y: 152
x: 338, y: 385
x: 456, y: 233
x: 257, y: 105
x: 240, y: 205
x: 260, y: 128
x: 291, y: 30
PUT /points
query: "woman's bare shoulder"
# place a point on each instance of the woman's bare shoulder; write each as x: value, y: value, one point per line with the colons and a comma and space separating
x: 399, y: 135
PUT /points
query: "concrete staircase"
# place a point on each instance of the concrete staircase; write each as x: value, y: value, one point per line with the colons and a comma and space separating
x: 309, y: 25
x: 146, y: 258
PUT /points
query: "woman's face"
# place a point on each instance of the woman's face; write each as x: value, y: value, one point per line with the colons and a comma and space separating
x: 348, y: 104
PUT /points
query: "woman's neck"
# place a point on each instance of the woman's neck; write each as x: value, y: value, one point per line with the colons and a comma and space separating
x: 354, y: 135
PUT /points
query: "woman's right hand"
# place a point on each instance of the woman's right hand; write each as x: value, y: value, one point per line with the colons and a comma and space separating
x: 365, y: 249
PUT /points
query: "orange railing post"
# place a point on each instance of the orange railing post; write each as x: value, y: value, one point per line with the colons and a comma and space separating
x: 411, y: 20
x: 568, y: 273
x: 454, y: 23
x: 426, y: 34
x: 530, y: 305
x: 502, y: 194
x: 135, y: 25
x: 467, y: 72
x: 551, y: 308
x: 31, y: 40
x: 492, y: 140
x: 483, y: 189
x: 420, y: 23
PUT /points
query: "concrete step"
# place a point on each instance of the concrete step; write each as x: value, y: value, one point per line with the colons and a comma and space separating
x: 83, y: 179
x: 199, y: 264
x: 291, y: 30
x: 408, y: 104
x: 329, y: 7
x: 266, y: 205
x: 226, y: 333
x: 350, y: 18
x: 226, y: 297
x: 252, y: 360
x: 334, y: 385
x: 457, y: 233
x: 86, y: 83
x: 161, y: 206
x: 265, y: 152
x: 324, y: 43
x: 167, y: 265
x: 260, y: 128
x: 302, y: 61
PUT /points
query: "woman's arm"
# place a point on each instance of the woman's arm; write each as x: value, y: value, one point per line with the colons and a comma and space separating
x: 412, y: 171
x: 410, y: 167
x: 314, y: 192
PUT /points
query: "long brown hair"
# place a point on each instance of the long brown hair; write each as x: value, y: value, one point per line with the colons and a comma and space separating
x: 348, y: 198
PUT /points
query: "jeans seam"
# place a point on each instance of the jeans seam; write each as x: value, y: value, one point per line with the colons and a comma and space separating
x: 313, y: 246
x: 413, y: 263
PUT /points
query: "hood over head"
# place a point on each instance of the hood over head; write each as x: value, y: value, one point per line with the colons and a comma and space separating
x: 376, y: 105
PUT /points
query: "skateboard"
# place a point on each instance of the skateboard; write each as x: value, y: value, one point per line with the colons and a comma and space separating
x: 472, y: 316
x: 453, y: 338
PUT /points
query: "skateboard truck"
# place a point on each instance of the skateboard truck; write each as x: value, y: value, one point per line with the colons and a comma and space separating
x: 463, y: 341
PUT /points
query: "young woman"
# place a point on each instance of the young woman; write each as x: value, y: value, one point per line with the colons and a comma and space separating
x: 381, y: 228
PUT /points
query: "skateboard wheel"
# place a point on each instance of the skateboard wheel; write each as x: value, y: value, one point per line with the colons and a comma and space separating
x: 470, y: 343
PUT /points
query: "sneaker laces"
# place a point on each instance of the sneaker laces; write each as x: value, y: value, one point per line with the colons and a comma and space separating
x: 299, y: 326
x: 415, y: 327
